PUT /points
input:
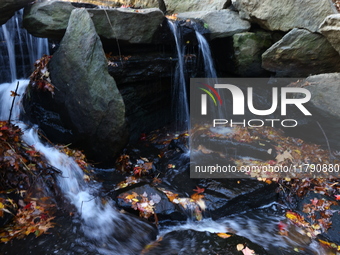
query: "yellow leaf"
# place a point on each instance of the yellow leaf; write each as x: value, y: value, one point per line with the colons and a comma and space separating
x: 4, y: 239
x: 223, y: 235
x: 240, y: 247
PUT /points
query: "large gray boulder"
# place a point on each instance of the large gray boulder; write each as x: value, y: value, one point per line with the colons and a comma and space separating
x: 248, y: 49
x: 330, y: 28
x: 325, y: 108
x: 47, y: 19
x: 133, y: 26
x: 301, y: 53
x: 286, y: 14
x: 325, y: 91
x: 178, y: 6
x: 221, y: 23
x: 8, y: 7
x: 86, y: 95
x: 50, y: 19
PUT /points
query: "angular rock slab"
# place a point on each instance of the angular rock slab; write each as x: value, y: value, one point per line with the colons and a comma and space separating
x: 178, y: 6
x: 287, y: 14
x: 47, y: 19
x: 50, y: 19
x: 133, y: 26
x: 86, y: 94
x: 301, y: 53
x: 221, y: 23
x: 330, y: 28
x: 8, y: 7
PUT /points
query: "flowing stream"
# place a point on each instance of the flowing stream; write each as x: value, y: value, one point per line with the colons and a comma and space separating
x: 109, y: 231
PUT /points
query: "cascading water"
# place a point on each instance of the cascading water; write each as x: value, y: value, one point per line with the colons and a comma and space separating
x: 19, y: 50
x: 100, y: 222
x: 203, y: 45
x: 180, y: 102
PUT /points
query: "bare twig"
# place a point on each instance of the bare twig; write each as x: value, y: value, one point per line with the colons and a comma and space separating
x: 120, y: 54
x: 14, y: 96
x: 329, y: 147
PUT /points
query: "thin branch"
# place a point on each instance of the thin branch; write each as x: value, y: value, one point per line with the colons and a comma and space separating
x: 115, y: 35
x: 14, y: 96
x: 329, y: 147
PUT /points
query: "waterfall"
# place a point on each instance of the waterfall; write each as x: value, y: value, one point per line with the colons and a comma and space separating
x: 180, y: 97
x: 203, y: 45
x: 101, y: 223
x: 18, y: 50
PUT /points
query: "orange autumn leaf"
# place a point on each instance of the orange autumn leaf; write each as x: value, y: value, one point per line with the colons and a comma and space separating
x: 223, y: 235
x: 172, y: 196
x: 196, y: 196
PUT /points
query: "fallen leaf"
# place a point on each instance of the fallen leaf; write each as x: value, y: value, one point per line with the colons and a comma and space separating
x: 248, y: 251
x: 223, y: 235
x: 240, y: 247
x: 285, y: 155
x: 199, y: 190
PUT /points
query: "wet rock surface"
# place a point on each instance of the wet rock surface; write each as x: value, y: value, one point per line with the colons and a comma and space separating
x: 194, y: 242
x: 68, y: 237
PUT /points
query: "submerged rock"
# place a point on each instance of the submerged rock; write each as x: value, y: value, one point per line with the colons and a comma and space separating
x: 86, y: 100
x: 301, y: 53
x: 195, y: 242
x: 223, y: 196
x: 285, y: 15
x: 163, y: 208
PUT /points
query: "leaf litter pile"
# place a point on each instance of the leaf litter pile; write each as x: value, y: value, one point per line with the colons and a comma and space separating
x: 28, y: 186
x: 21, y: 167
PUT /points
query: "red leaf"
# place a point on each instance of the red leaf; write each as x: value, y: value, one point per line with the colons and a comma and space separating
x: 314, y: 201
x: 337, y: 197
x: 282, y: 226
x: 28, y: 206
x: 199, y: 190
